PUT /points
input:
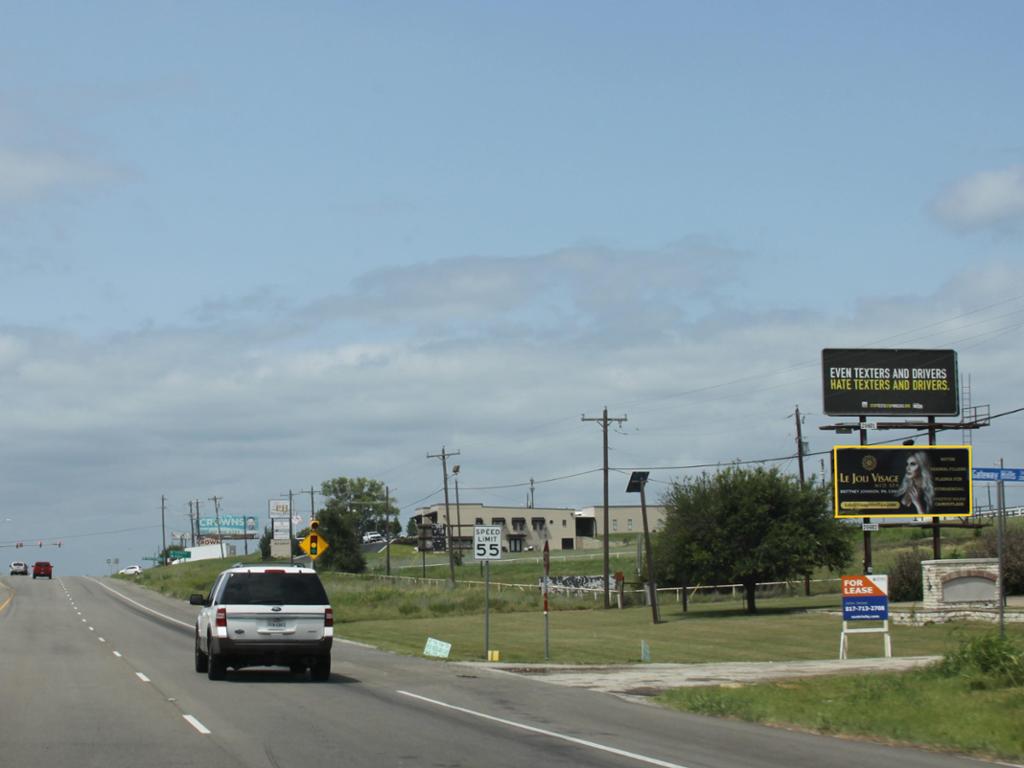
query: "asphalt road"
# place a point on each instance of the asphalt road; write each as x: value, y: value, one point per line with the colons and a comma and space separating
x: 96, y: 672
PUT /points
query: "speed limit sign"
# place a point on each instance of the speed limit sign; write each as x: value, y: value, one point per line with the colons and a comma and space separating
x: 487, y: 542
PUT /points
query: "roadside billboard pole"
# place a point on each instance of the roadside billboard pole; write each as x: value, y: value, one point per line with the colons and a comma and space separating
x: 1000, y: 536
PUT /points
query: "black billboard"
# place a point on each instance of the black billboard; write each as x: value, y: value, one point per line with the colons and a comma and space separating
x: 890, y: 382
x: 902, y: 481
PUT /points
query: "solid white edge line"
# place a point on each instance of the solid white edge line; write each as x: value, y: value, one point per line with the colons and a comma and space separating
x: 143, y: 607
x: 196, y: 724
x: 142, y: 677
x: 552, y: 734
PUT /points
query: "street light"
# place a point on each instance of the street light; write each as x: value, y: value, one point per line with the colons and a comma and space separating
x: 637, y: 482
x: 458, y: 514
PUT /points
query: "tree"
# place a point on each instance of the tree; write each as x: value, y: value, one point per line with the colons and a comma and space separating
x: 338, y: 527
x: 353, y: 507
x: 367, y: 499
x: 747, y: 526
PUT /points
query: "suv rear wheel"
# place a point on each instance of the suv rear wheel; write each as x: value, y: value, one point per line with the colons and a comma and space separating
x: 321, y: 669
x: 216, y: 667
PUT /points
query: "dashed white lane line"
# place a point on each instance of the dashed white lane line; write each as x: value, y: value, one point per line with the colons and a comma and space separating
x: 102, y: 640
x: 144, y: 607
x: 142, y: 677
x: 552, y: 734
x: 91, y: 629
x: 118, y: 654
x: 196, y: 724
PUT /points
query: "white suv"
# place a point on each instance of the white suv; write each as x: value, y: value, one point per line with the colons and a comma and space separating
x: 263, y: 615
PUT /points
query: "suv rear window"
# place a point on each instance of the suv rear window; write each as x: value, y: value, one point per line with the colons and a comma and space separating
x: 274, y: 589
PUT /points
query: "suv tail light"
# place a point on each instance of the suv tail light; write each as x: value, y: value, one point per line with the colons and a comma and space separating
x: 222, y: 617
x: 329, y: 617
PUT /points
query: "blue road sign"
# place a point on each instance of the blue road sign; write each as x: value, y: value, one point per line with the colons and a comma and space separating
x: 994, y: 474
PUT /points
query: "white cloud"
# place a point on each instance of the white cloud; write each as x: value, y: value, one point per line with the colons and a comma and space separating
x: 28, y: 176
x: 107, y: 426
x: 986, y: 199
x: 564, y: 293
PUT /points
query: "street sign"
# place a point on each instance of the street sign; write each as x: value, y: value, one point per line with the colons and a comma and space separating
x: 995, y: 474
x: 314, y: 545
x: 869, y: 526
x: 487, y: 542
x: 176, y: 554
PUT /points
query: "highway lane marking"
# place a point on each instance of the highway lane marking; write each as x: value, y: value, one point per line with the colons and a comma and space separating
x: 552, y: 734
x: 196, y: 724
x: 91, y: 629
x: 102, y: 640
x: 144, y: 607
x: 5, y: 602
x: 118, y: 654
x: 142, y: 677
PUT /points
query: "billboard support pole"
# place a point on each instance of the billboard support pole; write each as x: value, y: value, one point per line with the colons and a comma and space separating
x: 936, y: 530
x: 867, y: 534
x: 1000, y: 543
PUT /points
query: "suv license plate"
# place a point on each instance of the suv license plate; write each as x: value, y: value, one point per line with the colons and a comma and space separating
x: 275, y: 623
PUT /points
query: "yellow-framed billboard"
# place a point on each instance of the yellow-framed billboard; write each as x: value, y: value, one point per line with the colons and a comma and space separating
x: 902, y: 481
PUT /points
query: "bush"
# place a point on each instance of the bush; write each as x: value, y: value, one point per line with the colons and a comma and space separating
x: 987, y: 661
x: 1013, y: 555
x: 905, y: 576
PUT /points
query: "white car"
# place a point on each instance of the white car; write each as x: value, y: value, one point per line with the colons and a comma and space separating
x: 263, y: 615
x: 131, y: 570
x: 372, y: 537
x: 19, y: 568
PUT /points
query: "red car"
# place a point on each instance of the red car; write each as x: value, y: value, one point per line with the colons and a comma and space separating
x: 42, y: 568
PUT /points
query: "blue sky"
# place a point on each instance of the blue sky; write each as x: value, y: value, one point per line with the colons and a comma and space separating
x: 246, y: 246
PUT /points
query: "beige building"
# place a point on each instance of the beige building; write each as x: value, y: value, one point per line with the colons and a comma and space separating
x: 527, y: 528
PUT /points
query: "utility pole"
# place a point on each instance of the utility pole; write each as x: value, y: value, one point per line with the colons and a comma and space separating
x: 458, y: 512
x: 199, y: 530
x: 163, y: 529
x: 531, y: 493
x: 216, y: 511
x: 387, y: 529
x: 799, y: 445
x: 604, y: 428
x: 800, y: 462
x: 291, y: 532
x: 191, y: 524
x: 443, y: 456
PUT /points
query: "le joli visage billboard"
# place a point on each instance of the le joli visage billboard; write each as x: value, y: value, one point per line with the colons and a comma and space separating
x: 902, y: 481
x: 890, y: 382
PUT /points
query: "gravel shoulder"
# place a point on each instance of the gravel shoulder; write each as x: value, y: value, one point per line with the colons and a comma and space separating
x: 644, y: 680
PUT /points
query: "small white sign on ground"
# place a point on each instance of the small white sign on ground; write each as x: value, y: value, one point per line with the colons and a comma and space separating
x: 438, y: 648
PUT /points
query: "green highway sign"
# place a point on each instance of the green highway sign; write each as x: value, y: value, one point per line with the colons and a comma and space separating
x: 175, y: 554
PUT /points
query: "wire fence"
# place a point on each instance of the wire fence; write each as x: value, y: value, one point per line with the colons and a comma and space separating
x: 708, y: 592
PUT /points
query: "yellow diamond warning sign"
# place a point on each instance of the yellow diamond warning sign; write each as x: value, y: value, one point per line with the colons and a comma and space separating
x: 313, y: 545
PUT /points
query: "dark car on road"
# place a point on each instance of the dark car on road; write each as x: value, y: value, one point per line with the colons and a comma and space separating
x: 42, y: 568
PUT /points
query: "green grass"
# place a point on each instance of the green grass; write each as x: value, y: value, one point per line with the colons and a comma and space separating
x: 940, y: 706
